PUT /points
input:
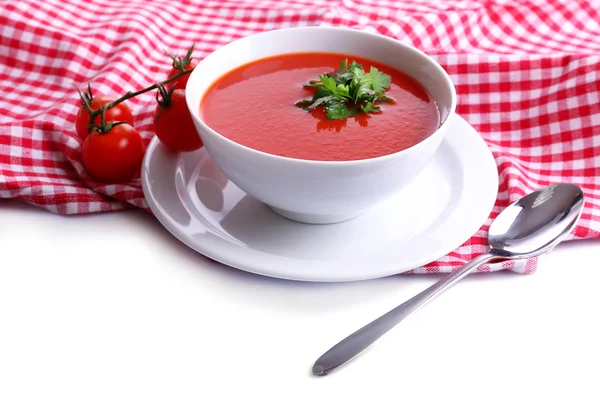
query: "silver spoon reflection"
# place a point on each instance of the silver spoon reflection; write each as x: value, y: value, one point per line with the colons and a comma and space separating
x: 530, y: 227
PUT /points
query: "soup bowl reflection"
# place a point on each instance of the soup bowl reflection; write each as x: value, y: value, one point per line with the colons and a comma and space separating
x: 320, y: 191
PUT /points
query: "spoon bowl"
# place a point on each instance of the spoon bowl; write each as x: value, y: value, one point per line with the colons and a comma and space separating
x: 527, y: 228
x: 537, y: 222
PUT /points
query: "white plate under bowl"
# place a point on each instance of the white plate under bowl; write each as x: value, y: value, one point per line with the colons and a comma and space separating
x: 442, y: 208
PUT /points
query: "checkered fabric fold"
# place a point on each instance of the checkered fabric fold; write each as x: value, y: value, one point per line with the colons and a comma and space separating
x: 527, y: 74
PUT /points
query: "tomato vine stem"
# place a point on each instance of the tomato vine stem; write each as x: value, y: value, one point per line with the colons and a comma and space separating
x: 129, y: 94
x: 86, y: 97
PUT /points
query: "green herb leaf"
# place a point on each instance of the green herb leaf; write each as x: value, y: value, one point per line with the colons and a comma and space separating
x: 367, y: 107
x: 321, y: 92
x: 304, y: 103
x: 343, y: 76
x: 356, y: 70
x: 370, y: 108
x: 348, y: 91
x: 343, y: 67
x: 336, y: 110
x: 378, y: 81
x: 319, y: 101
x: 364, y: 93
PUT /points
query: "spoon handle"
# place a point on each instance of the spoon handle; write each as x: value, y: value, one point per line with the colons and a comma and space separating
x: 360, y: 340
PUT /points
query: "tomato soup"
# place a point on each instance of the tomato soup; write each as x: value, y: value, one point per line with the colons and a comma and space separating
x: 254, y: 105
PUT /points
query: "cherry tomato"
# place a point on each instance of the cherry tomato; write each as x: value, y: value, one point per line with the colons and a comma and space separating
x: 118, y: 113
x: 174, y: 126
x: 114, y: 156
x: 182, y: 81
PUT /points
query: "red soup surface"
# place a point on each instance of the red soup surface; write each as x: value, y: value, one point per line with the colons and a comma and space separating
x: 254, y: 105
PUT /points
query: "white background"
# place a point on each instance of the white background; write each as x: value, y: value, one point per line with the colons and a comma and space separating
x: 112, y: 307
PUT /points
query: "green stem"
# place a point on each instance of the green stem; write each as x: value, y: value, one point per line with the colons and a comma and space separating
x: 130, y: 94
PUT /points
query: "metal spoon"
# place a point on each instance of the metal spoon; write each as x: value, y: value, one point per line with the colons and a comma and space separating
x: 527, y: 228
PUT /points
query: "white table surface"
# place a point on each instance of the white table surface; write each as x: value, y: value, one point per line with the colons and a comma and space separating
x: 112, y: 307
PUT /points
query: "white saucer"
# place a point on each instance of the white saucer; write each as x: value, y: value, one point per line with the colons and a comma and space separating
x: 442, y: 208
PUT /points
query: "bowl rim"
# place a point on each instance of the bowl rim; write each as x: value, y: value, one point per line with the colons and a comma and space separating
x: 376, y: 36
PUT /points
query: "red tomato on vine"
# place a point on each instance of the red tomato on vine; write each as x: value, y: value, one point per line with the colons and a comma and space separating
x: 181, y: 82
x: 119, y: 113
x: 114, y: 156
x: 174, y: 125
x: 186, y: 63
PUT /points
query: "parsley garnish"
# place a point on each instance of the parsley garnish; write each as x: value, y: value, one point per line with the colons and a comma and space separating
x: 348, y: 91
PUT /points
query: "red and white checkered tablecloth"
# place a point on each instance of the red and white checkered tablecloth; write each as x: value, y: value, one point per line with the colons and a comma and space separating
x: 527, y: 74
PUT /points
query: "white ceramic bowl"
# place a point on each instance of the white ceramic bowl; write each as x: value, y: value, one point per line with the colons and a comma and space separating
x: 320, y: 191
